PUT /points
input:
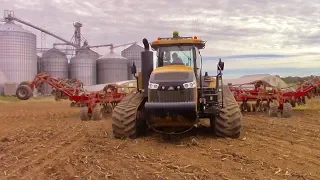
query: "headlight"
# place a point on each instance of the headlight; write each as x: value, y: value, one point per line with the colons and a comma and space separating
x: 190, y: 85
x: 153, y: 86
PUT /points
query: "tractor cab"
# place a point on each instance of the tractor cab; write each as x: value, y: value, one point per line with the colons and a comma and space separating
x: 178, y: 50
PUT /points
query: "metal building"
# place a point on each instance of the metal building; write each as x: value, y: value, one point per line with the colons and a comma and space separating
x: 55, y: 63
x: 133, y: 54
x: 83, y: 66
x: 18, y: 58
x: 112, y: 68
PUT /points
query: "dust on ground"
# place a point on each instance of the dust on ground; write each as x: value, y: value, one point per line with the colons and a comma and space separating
x: 44, y: 139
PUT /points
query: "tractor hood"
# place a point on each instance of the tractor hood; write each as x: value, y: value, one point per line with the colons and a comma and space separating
x: 172, y: 74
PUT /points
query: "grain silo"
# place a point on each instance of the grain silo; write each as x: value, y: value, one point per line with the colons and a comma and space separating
x: 39, y: 64
x: 55, y: 63
x: 18, y: 58
x: 133, y: 54
x: 112, y: 68
x: 83, y: 66
x: 3, y: 79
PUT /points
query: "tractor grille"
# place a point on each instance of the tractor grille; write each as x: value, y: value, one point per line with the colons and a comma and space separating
x: 185, y: 95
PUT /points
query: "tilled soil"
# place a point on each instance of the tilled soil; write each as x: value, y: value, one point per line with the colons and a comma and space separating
x: 47, y: 140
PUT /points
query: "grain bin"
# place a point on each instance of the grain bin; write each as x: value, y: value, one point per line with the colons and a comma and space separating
x: 55, y: 63
x: 133, y: 54
x: 83, y: 66
x: 3, y: 80
x: 18, y: 58
x: 39, y: 64
x: 112, y: 68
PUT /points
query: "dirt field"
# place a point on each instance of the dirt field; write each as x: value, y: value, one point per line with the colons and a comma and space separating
x: 44, y: 139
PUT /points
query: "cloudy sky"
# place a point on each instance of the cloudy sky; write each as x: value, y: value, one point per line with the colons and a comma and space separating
x: 251, y: 36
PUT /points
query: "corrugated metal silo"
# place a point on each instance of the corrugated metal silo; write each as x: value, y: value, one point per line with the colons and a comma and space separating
x: 112, y: 68
x: 69, y: 71
x: 3, y: 79
x: 55, y: 63
x: 18, y: 59
x: 133, y: 53
x: 39, y: 64
x: 83, y: 66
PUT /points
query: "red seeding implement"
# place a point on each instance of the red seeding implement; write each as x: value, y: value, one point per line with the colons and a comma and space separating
x: 270, y: 94
x: 94, y: 105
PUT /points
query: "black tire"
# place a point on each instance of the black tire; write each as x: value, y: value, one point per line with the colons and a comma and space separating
x: 72, y: 104
x: 253, y: 107
x: 124, y: 117
x: 265, y: 107
x: 287, y: 110
x: 241, y: 107
x: 309, y: 95
x: 304, y: 100
x: 229, y: 121
x: 24, y: 92
x: 293, y: 103
x: 248, y: 107
x: 96, y: 112
x: 84, y: 114
x: 299, y: 101
x: 273, y: 109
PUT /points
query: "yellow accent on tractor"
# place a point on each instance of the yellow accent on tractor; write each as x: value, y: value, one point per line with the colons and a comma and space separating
x: 173, y: 96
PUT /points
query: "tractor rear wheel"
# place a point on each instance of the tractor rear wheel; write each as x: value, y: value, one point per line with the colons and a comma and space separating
x: 229, y: 121
x: 96, y: 112
x: 126, y: 121
x: 287, y: 110
x: 24, y: 92
x: 84, y: 114
x: 273, y: 109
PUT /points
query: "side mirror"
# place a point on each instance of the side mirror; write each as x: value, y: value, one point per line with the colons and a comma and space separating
x: 220, y: 65
x: 133, y: 69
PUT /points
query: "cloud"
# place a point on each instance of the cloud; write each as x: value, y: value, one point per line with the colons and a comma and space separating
x: 239, y: 30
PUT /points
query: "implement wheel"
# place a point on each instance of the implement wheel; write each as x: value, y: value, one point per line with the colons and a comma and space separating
x: 287, y: 110
x: 96, y: 112
x: 24, y: 92
x: 293, y: 103
x: 273, y: 110
x: 84, y: 114
x: 229, y: 121
x: 248, y: 107
x: 72, y: 104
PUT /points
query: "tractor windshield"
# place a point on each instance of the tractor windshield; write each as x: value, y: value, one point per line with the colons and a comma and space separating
x: 175, y: 55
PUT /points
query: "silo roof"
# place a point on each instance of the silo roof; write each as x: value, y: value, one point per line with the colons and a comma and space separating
x: 51, y: 51
x: 11, y: 26
x: 133, y: 47
x: 112, y: 55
